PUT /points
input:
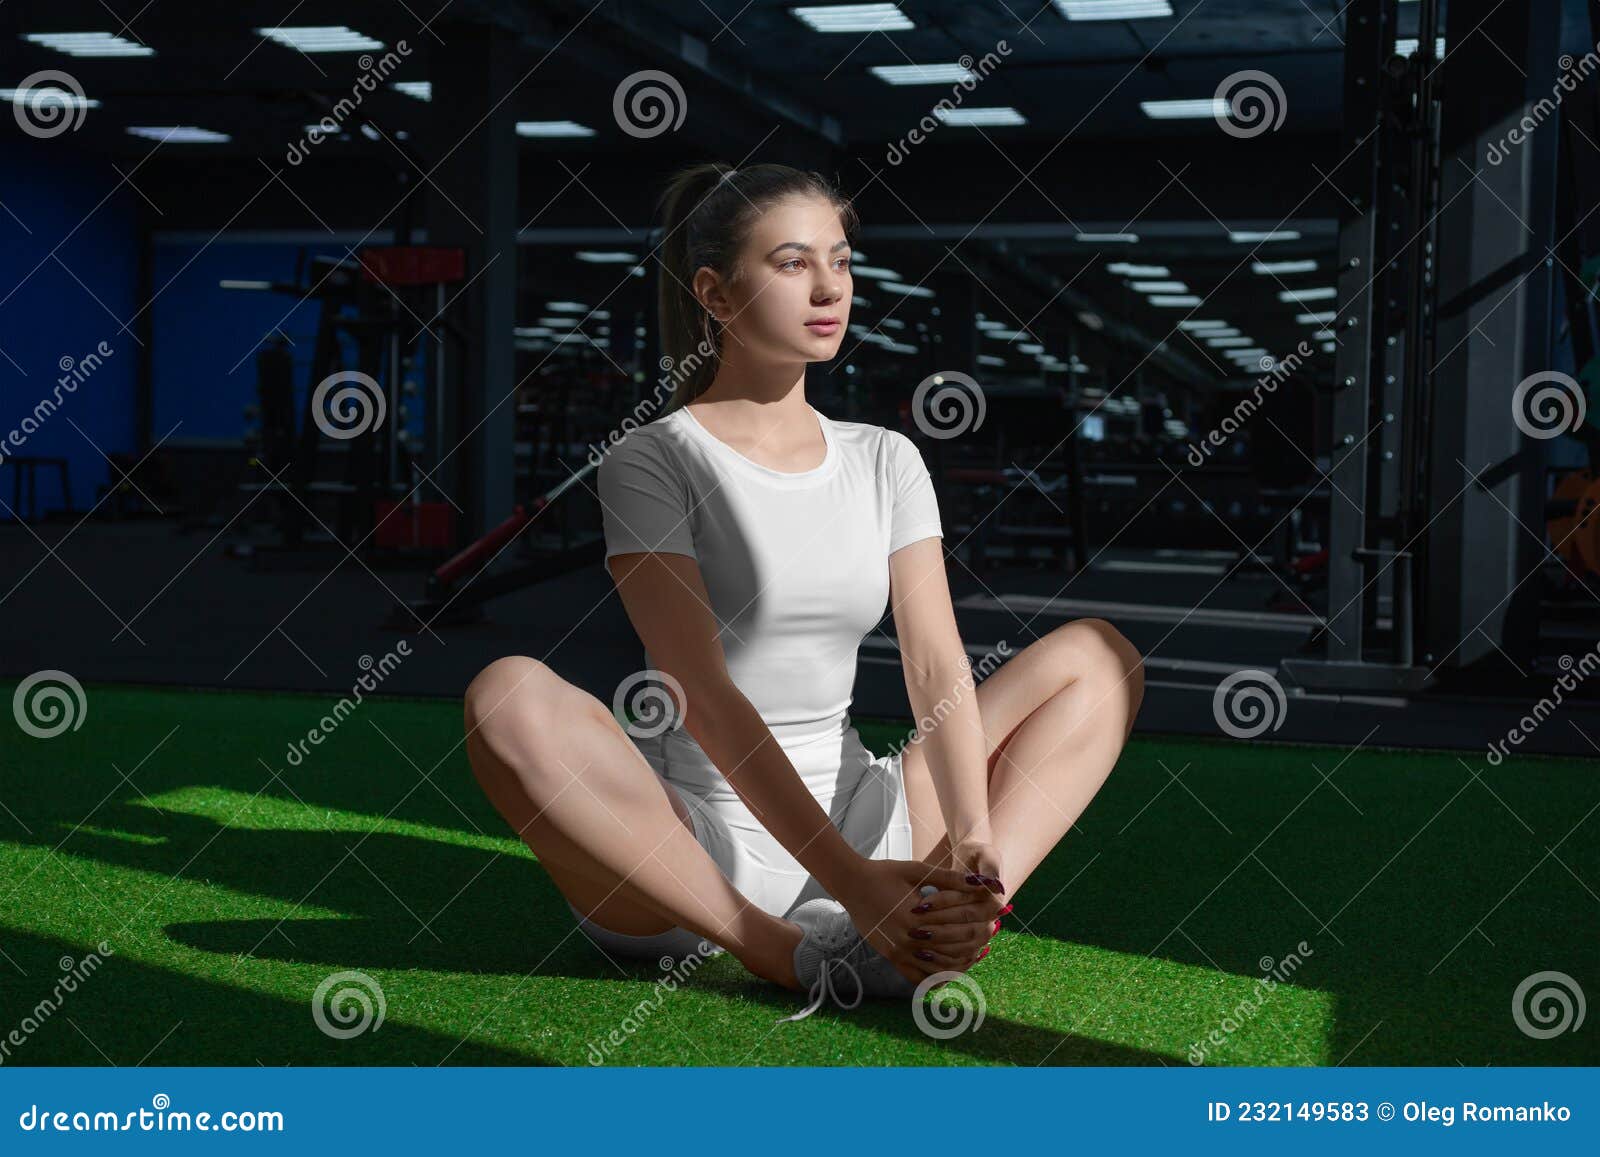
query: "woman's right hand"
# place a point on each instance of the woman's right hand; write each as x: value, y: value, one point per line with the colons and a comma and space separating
x: 880, y: 899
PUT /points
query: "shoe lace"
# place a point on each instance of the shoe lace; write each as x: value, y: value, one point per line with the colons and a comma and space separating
x: 824, y: 988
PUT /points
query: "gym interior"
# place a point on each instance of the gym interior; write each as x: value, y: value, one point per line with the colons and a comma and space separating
x: 1267, y: 332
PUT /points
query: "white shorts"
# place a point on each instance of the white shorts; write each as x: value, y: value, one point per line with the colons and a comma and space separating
x: 864, y: 795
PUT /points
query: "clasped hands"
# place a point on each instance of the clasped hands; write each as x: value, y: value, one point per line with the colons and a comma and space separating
x: 945, y: 931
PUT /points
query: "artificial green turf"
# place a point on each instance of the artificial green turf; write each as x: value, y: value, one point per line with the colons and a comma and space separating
x: 227, y: 896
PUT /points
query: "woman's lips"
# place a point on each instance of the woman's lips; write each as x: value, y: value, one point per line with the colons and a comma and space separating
x: 823, y: 327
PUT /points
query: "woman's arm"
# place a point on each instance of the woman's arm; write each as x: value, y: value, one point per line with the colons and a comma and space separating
x: 666, y: 600
x: 939, y: 685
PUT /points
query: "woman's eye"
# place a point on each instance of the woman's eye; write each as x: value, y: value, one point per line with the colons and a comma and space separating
x: 791, y: 261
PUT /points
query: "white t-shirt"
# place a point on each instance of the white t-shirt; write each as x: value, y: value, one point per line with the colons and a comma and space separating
x: 796, y: 564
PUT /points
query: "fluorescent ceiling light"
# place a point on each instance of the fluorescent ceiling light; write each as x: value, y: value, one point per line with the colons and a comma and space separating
x: 1160, y: 287
x: 1223, y: 331
x: 320, y: 38
x: 566, y: 306
x: 853, y: 17
x: 1113, y: 9
x: 906, y: 290
x: 420, y: 89
x: 1272, y: 268
x: 1175, y: 300
x: 1322, y: 318
x: 1199, y: 324
x: 983, y: 324
x: 178, y: 134
x: 531, y: 330
x: 1005, y: 334
x: 1251, y: 236
x: 1030, y: 348
x: 922, y: 73
x: 858, y: 300
x: 990, y: 360
x: 1228, y: 342
x: 893, y: 323
x: 1328, y: 347
x: 606, y: 256
x: 1247, y: 355
x: 1321, y: 293
x: 1001, y: 115
x: 1171, y: 110
x: 1128, y: 269
x: 1324, y: 335
x: 876, y: 272
x: 553, y: 129
x: 1129, y: 238
x: 47, y: 96
x: 89, y: 43
x: 558, y: 322
x: 1092, y: 320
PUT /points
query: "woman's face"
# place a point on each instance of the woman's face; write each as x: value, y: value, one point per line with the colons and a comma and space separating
x: 794, y: 275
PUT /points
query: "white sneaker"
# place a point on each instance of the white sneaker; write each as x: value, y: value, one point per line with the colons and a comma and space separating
x: 831, y: 946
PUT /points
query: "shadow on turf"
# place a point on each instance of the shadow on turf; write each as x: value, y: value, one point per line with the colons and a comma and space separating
x: 511, y: 920
x: 126, y: 1012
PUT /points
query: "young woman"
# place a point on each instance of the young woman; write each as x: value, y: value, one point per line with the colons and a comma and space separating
x: 754, y: 542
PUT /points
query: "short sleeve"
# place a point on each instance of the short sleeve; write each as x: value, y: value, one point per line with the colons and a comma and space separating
x: 644, y: 499
x: 916, y: 509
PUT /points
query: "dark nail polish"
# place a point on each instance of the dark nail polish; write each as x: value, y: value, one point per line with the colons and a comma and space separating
x: 993, y: 885
x: 923, y: 908
x: 974, y: 878
x: 923, y: 954
x: 921, y: 934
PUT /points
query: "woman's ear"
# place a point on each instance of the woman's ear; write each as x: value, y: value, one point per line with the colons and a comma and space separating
x: 709, y: 291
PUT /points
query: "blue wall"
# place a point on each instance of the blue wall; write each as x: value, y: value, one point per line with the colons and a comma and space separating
x: 55, y: 200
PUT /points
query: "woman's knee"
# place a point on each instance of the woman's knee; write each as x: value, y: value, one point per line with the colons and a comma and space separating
x: 1097, y: 645
x: 516, y: 700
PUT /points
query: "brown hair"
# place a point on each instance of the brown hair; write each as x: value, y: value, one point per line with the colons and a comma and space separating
x: 706, y: 212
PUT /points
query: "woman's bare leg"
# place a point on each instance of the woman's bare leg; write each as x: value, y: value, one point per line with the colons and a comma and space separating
x: 572, y: 785
x: 1056, y: 717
